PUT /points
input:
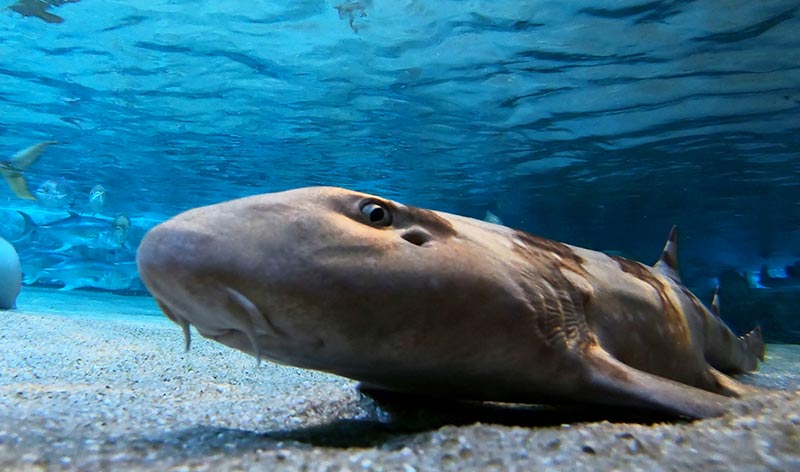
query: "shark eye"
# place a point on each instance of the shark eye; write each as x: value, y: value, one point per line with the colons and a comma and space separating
x: 377, y: 214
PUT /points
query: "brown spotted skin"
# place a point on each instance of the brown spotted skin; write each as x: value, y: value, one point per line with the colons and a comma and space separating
x: 439, y: 304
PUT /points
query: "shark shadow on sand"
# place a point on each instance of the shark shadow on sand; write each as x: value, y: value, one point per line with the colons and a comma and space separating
x: 395, y: 418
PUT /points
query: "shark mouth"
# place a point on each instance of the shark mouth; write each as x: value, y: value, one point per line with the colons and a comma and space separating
x: 243, y: 317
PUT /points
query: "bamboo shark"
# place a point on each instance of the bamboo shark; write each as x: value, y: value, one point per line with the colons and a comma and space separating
x: 418, y: 301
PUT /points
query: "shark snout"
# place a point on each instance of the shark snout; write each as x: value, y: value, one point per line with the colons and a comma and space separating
x: 178, y: 266
x: 166, y: 248
x: 189, y: 274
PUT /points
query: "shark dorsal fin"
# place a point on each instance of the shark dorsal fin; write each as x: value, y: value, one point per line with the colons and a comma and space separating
x: 668, y: 262
x: 715, y: 302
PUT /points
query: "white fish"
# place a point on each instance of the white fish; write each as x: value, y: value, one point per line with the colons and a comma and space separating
x: 80, y: 231
x: 97, y: 198
x: 94, y: 274
x: 54, y: 193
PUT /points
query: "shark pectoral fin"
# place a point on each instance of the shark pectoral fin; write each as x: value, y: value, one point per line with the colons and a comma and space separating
x: 26, y: 157
x: 29, y: 228
x: 17, y: 183
x: 624, y: 385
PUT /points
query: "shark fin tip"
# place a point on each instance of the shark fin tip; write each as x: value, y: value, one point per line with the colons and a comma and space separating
x: 668, y: 262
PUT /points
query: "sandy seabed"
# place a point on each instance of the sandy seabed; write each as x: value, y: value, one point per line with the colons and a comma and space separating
x: 92, y: 381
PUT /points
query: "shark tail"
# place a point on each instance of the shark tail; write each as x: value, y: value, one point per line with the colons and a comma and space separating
x: 29, y: 228
x: 754, y: 344
x: 26, y: 157
x: 727, y: 352
x: 12, y: 171
x: 17, y: 183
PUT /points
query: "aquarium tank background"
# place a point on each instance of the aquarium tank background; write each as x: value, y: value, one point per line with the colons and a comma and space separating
x: 600, y: 124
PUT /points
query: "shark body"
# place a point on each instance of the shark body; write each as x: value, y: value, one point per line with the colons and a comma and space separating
x: 410, y: 300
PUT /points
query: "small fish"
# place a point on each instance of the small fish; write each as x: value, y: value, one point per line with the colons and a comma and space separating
x: 121, y: 223
x: 93, y: 274
x: 352, y: 9
x: 76, y: 230
x: 54, y: 193
x: 12, y: 170
x: 768, y: 281
x: 35, y: 263
x: 97, y: 198
x: 117, y: 237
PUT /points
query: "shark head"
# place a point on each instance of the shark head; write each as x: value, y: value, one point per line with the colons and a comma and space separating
x: 317, y: 277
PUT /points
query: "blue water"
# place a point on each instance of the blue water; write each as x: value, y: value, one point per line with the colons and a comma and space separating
x: 596, y: 123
